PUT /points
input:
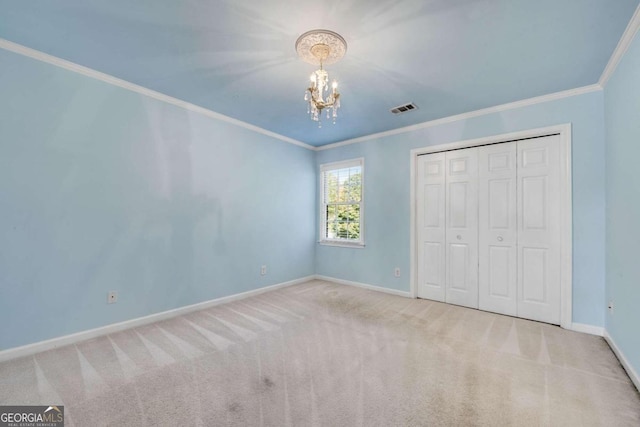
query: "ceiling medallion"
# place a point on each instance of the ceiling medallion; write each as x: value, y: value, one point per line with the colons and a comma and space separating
x: 320, y: 47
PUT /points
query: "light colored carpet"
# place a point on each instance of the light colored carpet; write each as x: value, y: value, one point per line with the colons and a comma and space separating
x: 331, y: 355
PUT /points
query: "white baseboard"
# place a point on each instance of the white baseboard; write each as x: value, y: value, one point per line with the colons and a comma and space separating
x: 635, y: 379
x: 364, y: 286
x: 587, y: 329
x: 578, y: 327
x: 30, y: 349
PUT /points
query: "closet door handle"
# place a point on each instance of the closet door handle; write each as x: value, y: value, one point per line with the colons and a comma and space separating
x: 459, y: 237
x: 500, y: 239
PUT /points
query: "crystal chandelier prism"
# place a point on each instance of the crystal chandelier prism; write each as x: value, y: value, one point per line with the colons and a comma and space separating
x: 321, y: 47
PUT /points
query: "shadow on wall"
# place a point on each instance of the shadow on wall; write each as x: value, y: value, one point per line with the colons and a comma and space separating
x: 191, y: 223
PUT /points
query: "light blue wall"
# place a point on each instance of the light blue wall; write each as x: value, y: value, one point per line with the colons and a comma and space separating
x: 387, y: 199
x: 104, y: 189
x: 622, y: 113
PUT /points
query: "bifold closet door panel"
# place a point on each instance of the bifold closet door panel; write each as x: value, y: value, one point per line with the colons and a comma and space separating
x: 462, y: 227
x: 539, y: 272
x: 498, y: 232
x: 431, y: 226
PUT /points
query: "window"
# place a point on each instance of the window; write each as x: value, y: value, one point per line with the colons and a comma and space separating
x: 341, y: 203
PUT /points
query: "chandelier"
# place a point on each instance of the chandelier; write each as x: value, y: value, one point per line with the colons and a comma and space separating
x: 321, y: 47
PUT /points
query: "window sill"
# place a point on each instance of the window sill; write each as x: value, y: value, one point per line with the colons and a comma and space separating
x: 354, y: 245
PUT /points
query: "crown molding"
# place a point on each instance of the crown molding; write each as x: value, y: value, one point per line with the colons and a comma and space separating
x: 109, y: 79
x: 621, y: 48
x: 469, y: 115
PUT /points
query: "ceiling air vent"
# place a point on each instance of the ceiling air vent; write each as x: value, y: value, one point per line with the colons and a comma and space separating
x: 404, y: 108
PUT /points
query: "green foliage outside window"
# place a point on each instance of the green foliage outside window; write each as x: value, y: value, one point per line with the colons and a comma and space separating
x: 343, y: 191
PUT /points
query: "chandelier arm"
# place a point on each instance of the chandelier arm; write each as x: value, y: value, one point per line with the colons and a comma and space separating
x: 320, y: 105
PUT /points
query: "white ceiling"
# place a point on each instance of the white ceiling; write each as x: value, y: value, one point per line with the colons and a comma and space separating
x: 238, y: 57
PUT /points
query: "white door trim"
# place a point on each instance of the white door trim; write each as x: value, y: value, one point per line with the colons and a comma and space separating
x: 566, y: 208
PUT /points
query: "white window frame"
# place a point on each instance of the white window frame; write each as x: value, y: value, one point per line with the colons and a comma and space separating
x: 323, y: 211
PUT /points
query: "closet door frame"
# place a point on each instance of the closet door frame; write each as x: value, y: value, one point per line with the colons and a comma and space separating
x: 566, y: 245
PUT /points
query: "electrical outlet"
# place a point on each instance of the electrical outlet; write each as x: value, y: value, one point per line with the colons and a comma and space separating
x: 263, y: 270
x: 396, y: 272
x: 112, y: 297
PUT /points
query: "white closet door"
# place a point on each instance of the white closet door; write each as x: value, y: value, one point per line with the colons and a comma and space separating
x: 431, y: 226
x: 538, y: 229
x: 462, y: 227
x: 498, y: 232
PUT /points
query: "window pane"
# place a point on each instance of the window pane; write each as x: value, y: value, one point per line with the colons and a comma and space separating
x: 331, y: 213
x: 342, y: 195
x: 332, y: 230
x: 343, y: 185
x: 345, y: 221
x: 342, y: 230
x: 331, y: 187
x: 355, y: 186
